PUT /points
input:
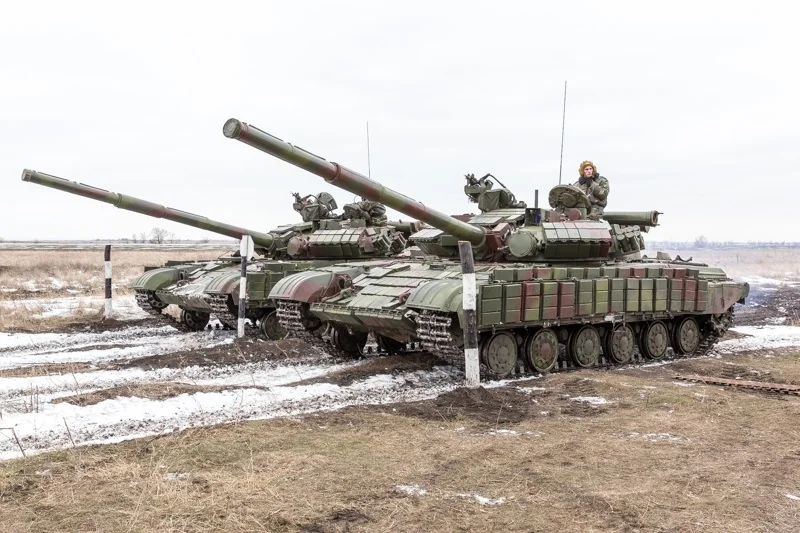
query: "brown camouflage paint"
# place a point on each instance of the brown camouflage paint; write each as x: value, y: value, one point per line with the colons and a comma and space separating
x: 350, y: 180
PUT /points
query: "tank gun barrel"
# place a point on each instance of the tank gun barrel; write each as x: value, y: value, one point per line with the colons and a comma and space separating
x: 350, y: 180
x: 130, y: 203
x: 647, y: 219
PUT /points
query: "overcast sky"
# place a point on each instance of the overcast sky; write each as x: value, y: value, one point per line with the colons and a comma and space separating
x: 690, y: 108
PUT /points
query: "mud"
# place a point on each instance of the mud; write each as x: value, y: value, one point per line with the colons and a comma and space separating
x: 491, y: 407
x: 770, y: 304
x: 394, y: 364
x: 90, y: 325
x: 241, y: 351
x: 151, y: 391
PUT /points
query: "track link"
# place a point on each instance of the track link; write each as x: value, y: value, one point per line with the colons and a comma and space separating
x: 219, y: 305
x: 780, y: 388
x: 146, y: 299
x: 291, y: 318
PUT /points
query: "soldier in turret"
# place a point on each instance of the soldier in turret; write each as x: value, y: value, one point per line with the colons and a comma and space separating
x: 373, y: 213
x: 595, y: 186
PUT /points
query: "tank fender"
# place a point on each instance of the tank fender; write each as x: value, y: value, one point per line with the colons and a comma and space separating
x: 444, y: 295
x: 313, y: 285
x: 158, y: 278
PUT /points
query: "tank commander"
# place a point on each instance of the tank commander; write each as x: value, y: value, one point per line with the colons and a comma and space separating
x: 595, y: 186
x: 373, y: 213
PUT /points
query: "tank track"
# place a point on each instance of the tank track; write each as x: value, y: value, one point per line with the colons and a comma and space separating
x: 219, y: 305
x: 434, y: 330
x: 290, y: 317
x: 780, y: 388
x: 144, y: 299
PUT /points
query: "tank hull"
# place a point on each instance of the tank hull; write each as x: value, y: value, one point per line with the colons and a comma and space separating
x: 656, y: 305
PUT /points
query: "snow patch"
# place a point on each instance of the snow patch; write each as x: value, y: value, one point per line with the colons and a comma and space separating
x: 411, y: 490
x: 760, y: 337
x: 793, y: 497
x: 482, y: 499
x: 592, y: 400
x: 172, y: 476
x: 654, y: 437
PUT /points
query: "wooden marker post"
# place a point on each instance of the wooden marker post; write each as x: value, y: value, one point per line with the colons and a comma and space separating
x: 107, y: 261
x: 469, y: 302
x: 246, y: 251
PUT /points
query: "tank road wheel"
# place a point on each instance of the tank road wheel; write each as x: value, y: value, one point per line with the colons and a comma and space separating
x: 390, y: 346
x: 500, y: 353
x: 541, y: 350
x: 346, y: 342
x: 620, y: 344
x: 654, y: 340
x: 584, y: 347
x: 686, y: 336
x: 194, y: 320
x: 155, y: 303
x: 271, y: 327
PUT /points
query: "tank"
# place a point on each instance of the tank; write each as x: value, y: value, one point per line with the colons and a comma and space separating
x: 555, y: 289
x: 202, y: 288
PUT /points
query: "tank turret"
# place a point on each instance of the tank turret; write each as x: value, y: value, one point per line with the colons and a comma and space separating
x: 351, y: 180
x: 506, y: 229
x: 137, y: 205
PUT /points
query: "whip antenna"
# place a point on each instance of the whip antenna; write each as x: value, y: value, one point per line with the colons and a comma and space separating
x: 369, y: 165
x: 563, y: 121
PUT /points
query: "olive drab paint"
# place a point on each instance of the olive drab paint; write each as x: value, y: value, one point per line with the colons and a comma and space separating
x: 555, y: 289
x: 144, y: 207
x: 202, y: 288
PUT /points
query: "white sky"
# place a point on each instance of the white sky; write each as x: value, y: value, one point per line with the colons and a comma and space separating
x: 687, y: 107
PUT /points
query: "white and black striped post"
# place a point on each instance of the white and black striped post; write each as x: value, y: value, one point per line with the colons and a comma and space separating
x: 246, y: 252
x: 469, y: 302
x: 107, y: 260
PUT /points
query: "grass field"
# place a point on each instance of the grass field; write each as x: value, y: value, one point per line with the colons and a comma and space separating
x: 35, y: 277
x: 47, y: 273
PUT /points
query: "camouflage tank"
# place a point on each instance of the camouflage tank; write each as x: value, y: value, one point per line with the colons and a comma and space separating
x: 555, y: 289
x: 200, y: 288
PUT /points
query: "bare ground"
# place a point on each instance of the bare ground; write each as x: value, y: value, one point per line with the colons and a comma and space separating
x: 152, y: 391
x: 657, y: 457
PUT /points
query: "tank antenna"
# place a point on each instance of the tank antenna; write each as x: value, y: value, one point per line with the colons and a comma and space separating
x: 563, y: 121
x: 369, y: 165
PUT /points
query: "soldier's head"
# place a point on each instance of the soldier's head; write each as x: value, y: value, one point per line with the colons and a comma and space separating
x: 588, y: 170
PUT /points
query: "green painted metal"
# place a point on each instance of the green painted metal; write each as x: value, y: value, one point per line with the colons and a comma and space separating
x: 349, y: 180
x: 561, y: 269
x: 137, y: 205
x: 322, y: 238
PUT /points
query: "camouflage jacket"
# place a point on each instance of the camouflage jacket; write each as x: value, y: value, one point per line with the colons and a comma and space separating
x: 596, y: 189
x: 373, y: 213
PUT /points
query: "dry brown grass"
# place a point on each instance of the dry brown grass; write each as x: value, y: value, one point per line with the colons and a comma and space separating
x: 661, y: 457
x: 49, y: 369
x: 47, y: 273
x: 27, y: 318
